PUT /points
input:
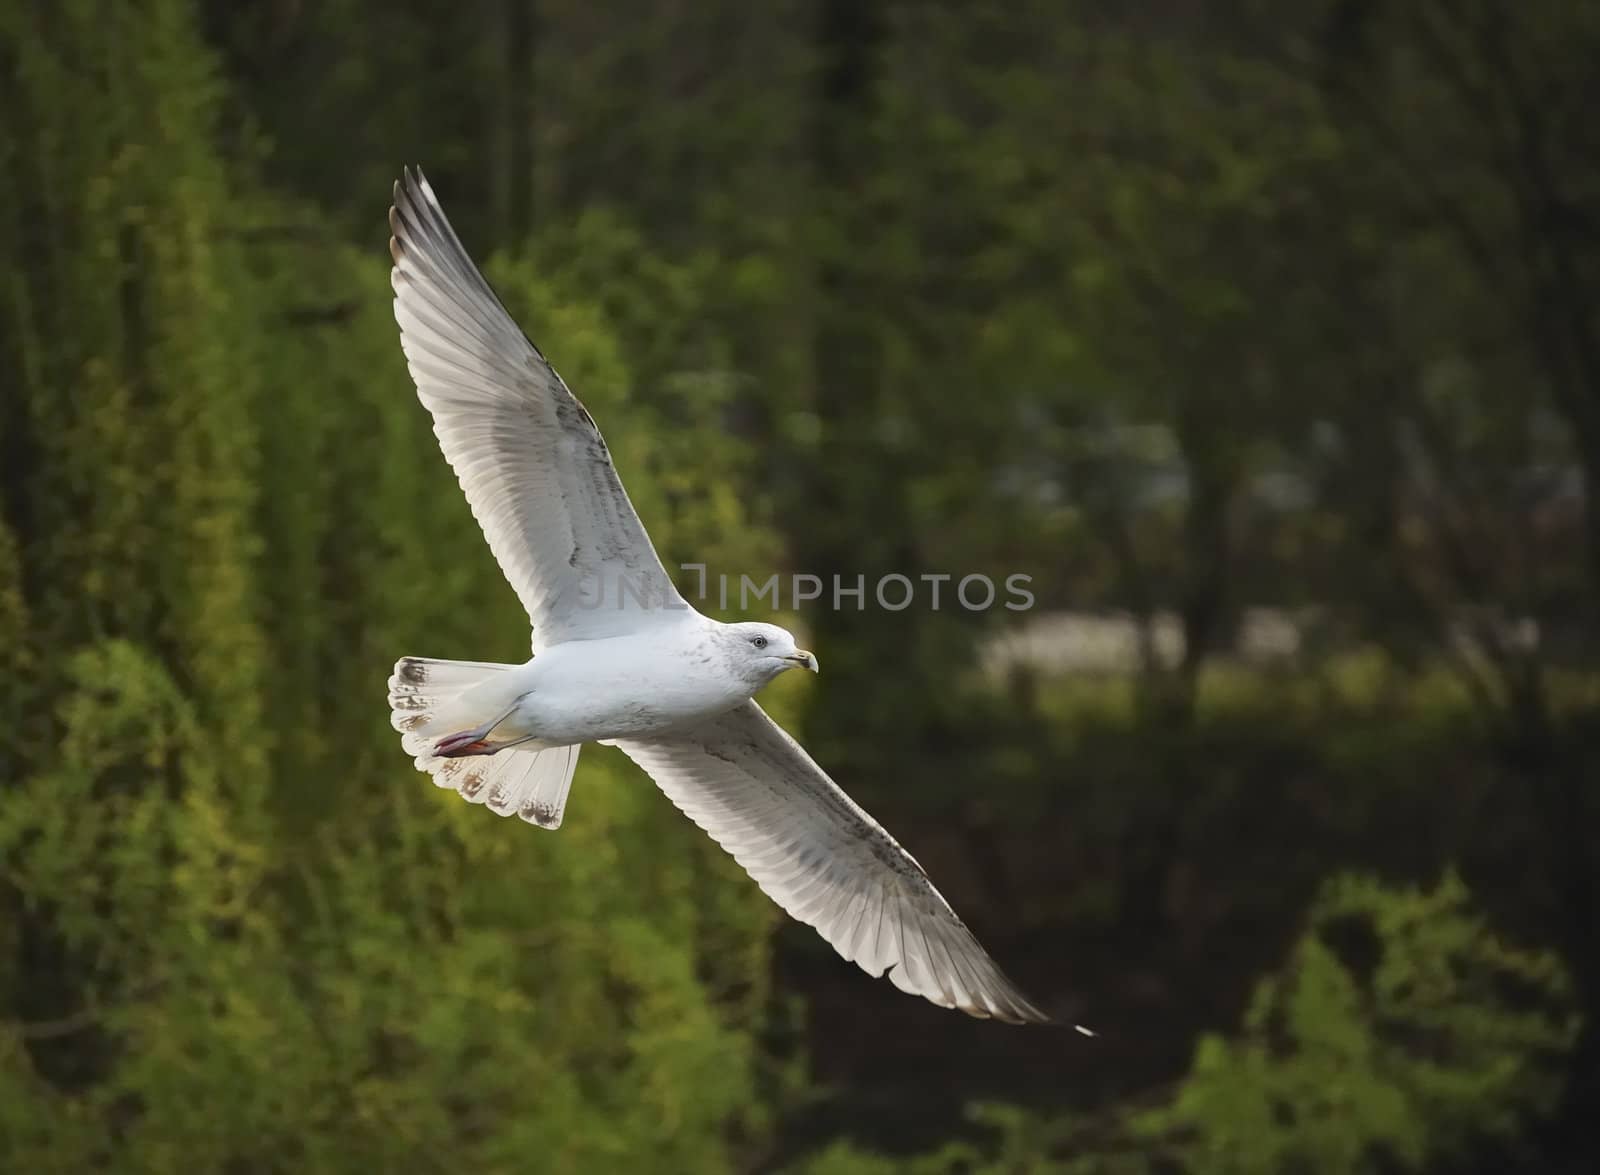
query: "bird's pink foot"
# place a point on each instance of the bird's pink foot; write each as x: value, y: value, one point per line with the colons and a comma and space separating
x: 468, y: 742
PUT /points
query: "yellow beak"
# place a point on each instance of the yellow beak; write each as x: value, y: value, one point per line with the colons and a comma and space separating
x: 801, y: 657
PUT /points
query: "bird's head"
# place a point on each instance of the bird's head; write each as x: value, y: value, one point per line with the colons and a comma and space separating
x: 765, y: 650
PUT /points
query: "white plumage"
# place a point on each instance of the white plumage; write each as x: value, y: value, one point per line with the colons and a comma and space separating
x: 528, y: 455
x: 670, y: 687
x: 816, y: 853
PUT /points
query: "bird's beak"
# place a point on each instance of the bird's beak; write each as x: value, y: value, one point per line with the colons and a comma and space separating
x: 801, y: 657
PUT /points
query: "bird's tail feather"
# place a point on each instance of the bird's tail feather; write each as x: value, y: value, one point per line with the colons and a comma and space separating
x: 518, y: 781
x: 430, y: 698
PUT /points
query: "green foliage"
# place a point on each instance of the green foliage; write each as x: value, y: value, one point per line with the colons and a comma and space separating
x: 1401, y: 1031
x: 1424, y: 1035
x: 1015, y: 1141
x: 251, y: 935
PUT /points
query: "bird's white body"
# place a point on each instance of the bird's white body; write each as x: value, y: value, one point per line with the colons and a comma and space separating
x: 663, y: 679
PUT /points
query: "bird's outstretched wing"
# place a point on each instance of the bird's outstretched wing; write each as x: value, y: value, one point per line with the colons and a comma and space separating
x: 529, y: 457
x: 743, y: 780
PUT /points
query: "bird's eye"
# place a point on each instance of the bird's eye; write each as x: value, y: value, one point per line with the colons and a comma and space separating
x: 759, y: 642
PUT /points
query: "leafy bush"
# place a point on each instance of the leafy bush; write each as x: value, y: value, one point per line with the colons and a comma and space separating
x: 1401, y: 1030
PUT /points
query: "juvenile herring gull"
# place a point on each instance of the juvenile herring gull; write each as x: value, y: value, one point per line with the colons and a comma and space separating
x: 640, y: 670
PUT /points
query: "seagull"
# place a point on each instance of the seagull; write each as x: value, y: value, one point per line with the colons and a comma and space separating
x: 622, y: 659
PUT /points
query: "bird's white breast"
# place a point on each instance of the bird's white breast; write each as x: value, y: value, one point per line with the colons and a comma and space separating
x: 655, y: 680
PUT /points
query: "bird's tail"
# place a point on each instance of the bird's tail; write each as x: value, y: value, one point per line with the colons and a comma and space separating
x: 429, y: 699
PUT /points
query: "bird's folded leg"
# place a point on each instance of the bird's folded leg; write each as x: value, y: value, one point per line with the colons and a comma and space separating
x: 474, y: 741
x: 467, y: 742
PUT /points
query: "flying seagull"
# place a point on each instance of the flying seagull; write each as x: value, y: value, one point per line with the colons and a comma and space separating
x: 638, y: 669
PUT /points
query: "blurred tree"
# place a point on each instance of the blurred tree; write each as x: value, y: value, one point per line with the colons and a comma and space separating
x: 1397, y: 1021
x: 1475, y: 119
x: 1401, y: 1032
x: 237, y: 931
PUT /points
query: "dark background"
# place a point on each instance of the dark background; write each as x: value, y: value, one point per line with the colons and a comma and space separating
x: 1264, y: 337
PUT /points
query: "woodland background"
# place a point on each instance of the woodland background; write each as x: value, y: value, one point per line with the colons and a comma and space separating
x: 1208, y: 316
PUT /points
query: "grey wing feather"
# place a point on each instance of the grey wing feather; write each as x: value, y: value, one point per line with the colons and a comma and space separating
x: 530, y: 460
x: 816, y: 853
